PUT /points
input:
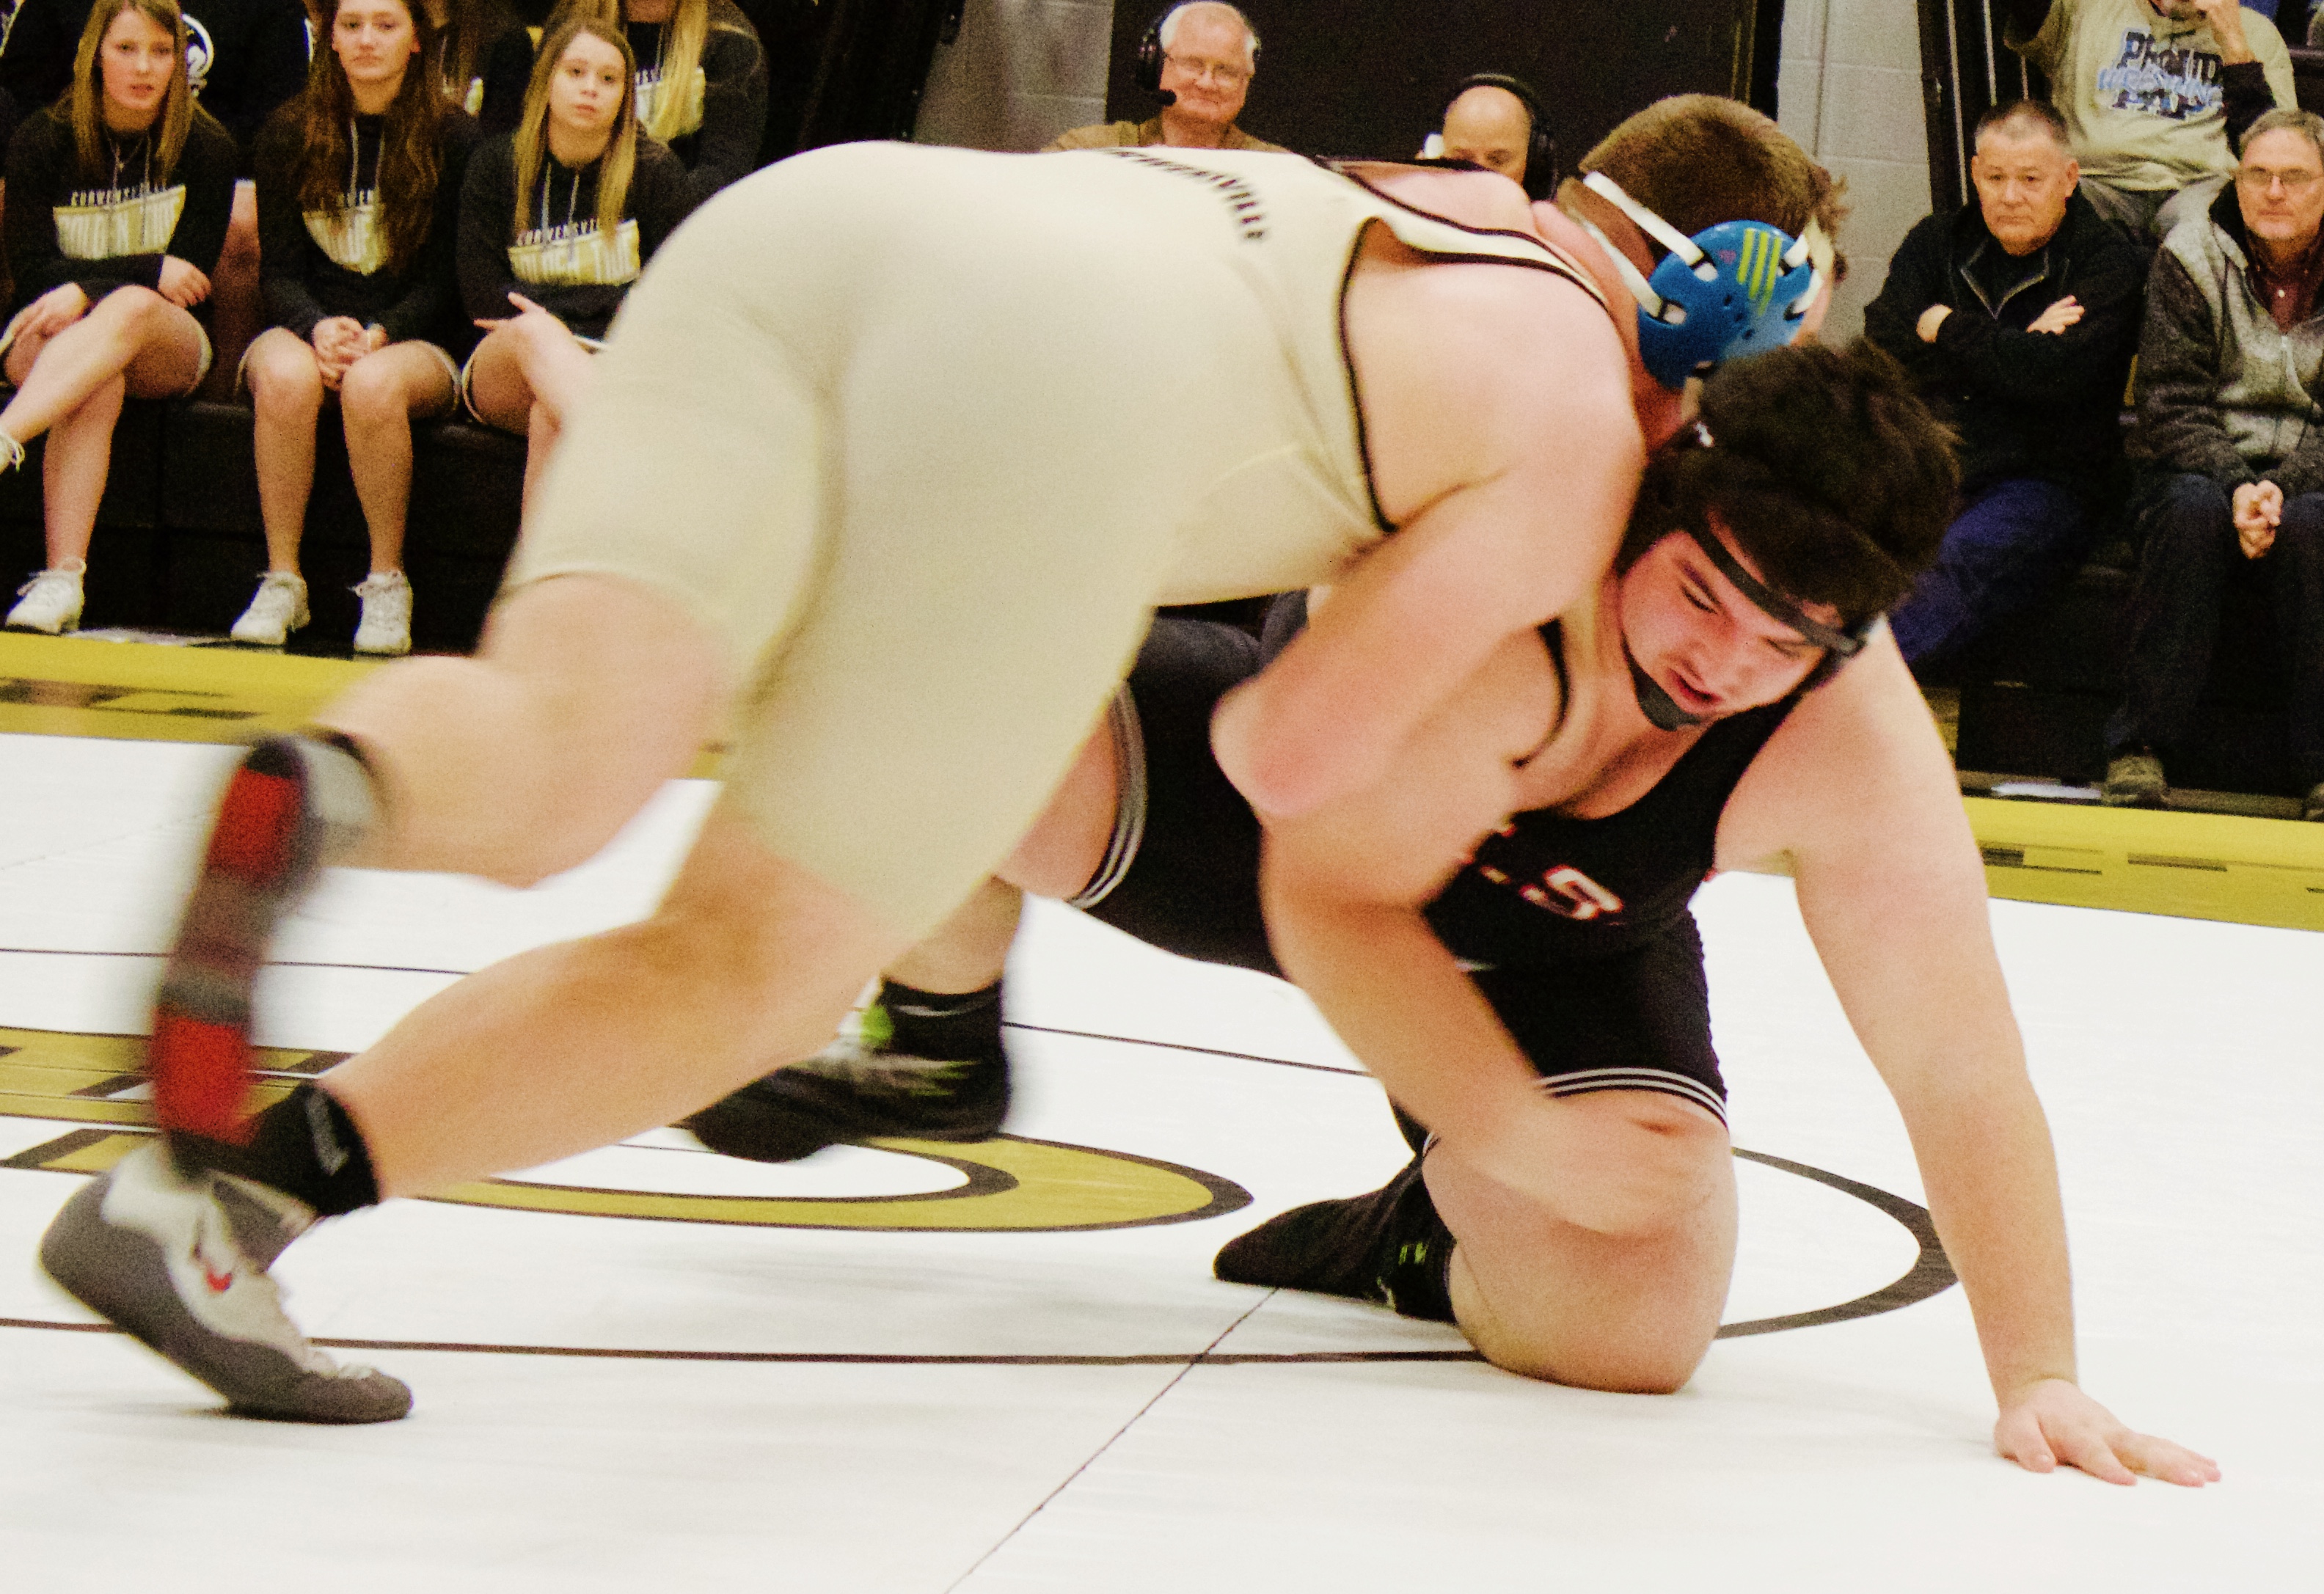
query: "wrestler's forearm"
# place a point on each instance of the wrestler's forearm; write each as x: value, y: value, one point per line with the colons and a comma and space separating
x: 1400, y: 1002
x: 1992, y: 1181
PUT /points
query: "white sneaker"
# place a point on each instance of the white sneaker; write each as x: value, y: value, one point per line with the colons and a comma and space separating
x: 386, y: 626
x: 279, y: 609
x: 51, y: 601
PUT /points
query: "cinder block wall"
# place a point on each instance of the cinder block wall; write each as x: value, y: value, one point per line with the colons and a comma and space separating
x: 1021, y: 72
x: 1850, y: 93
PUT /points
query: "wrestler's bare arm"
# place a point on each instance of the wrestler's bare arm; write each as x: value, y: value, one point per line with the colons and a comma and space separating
x: 1505, y: 450
x: 1857, y: 789
x: 1343, y: 888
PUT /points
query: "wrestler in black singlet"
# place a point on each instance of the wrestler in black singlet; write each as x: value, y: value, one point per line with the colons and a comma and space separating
x: 1577, y: 931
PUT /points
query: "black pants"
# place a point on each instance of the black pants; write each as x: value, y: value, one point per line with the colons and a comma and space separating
x: 2189, y: 560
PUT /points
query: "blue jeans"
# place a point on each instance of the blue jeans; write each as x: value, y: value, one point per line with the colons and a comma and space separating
x: 2190, y: 556
x: 2012, y: 544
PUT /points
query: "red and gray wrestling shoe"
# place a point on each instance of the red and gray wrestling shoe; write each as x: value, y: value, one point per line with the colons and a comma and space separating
x: 175, y: 1252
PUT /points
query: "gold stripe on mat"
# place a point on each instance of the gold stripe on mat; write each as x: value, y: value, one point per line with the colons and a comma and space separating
x: 142, y: 691
x: 151, y: 692
x: 2215, y: 866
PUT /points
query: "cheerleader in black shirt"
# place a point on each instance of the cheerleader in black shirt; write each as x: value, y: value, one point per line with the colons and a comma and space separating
x: 701, y: 81
x: 358, y: 180
x: 557, y: 219
x: 119, y: 196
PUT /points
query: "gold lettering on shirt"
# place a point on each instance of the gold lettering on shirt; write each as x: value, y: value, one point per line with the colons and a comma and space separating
x: 355, y: 239
x: 580, y: 254
x: 102, y: 224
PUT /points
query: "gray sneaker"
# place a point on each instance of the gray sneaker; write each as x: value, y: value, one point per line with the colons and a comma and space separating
x: 2134, y: 780
x: 180, y: 1263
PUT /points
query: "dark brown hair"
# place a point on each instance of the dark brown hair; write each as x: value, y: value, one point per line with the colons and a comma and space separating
x: 409, y: 161
x: 1834, y: 477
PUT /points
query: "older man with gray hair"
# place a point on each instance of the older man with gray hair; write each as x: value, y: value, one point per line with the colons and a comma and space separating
x: 2230, y: 366
x: 1205, y: 53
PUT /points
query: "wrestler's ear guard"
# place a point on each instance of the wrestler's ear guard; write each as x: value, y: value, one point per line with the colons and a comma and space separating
x: 1734, y: 288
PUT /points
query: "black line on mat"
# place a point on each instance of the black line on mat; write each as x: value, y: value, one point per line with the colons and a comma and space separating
x: 1206, y: 1356
x: 1092, y: 1459
x: 276, y: 964
x: 1172, y: 1046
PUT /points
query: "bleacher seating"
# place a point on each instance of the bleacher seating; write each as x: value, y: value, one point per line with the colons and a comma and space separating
x: 2035, y: 695
x: 179, y: 545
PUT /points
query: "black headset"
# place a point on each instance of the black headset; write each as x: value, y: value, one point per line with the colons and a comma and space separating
x: 1149, y: 53
x: 1541, y: 148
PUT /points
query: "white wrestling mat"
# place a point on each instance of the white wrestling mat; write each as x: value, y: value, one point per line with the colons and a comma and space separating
x: 879, y: 1373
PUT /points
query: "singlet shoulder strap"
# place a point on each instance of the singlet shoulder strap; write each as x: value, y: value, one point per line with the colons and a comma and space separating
x: 1450, y: 239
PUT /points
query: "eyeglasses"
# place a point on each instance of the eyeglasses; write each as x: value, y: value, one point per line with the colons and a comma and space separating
x: 1227, y: 77
x: 2260, y: 180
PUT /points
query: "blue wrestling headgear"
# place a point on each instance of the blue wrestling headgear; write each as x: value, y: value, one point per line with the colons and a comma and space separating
x: 1734, y: 288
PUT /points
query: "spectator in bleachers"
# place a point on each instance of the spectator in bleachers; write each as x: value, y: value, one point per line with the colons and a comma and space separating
x: 557, y: 219
x: 701, y: 81
x: 1199, y: 57
x: 1495, y: 120
x: 358, y: 195
x: 243, y: 58
x: 2157, y: 94
x: 2231, y: 363
x: 465, y: 32
x: 119, y: 198
x: 2017, y: 315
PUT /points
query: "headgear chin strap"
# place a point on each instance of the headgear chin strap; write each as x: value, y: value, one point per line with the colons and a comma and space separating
x: 1734, y: 288
x: 1661, y: 709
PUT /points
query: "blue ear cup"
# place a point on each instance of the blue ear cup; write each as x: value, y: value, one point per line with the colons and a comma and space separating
x: 1739, y: 298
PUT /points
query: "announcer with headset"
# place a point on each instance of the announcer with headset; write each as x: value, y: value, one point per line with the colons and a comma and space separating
x: 1199, y: 57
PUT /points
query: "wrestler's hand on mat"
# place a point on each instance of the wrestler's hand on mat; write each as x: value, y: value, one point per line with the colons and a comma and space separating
x: 2052, y: 1422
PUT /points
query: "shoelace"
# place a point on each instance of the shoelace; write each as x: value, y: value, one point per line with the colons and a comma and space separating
x: 858, y: 1065
x: 40, y: 576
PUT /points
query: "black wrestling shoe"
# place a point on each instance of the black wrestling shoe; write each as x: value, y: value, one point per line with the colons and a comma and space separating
x: 879, y: 1083
x: 1388, y: 1248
